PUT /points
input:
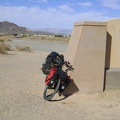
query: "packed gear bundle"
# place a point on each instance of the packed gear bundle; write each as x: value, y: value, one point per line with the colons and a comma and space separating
x: 52, y: 67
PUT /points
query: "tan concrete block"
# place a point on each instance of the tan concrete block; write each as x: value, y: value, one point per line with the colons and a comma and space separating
x: 86, y: 52
x: 113, y: 44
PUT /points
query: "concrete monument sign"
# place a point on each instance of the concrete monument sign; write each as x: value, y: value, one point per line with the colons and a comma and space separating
x: 86, y: 52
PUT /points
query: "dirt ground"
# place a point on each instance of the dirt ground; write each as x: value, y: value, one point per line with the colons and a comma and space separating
x: 21, y: 94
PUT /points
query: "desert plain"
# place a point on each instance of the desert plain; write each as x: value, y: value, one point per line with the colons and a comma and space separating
x: 21, y: 93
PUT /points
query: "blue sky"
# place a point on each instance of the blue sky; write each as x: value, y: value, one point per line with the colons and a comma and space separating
x: 36, y: 14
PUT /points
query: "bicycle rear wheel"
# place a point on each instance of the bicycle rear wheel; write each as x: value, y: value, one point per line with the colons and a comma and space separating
x: 49, y: 92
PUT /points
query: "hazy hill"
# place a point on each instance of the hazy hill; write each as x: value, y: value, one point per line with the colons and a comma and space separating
x: 11, y: 28
x: 57, y: 31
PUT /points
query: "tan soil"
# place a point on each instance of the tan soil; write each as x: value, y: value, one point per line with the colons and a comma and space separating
x: 21, y: 94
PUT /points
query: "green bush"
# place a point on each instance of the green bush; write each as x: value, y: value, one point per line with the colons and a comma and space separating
x: 24, y: 35
x: 58, y: 35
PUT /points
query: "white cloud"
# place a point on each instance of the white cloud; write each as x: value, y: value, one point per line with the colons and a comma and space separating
x: 85, y: 4
x: 66, y: 8
x: 114, y: 4
x: 35, y: 17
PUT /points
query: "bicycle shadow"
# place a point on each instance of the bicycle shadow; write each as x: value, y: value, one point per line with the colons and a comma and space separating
x: 58, y: 99
x: 69, y: 90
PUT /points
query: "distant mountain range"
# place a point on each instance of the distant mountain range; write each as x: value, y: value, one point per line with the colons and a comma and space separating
x: 11, y: 28
x: 57, y: 31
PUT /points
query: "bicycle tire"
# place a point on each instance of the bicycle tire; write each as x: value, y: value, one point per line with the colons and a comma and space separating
x: 50, y: 96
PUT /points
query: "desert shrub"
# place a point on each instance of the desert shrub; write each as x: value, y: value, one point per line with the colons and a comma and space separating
x: 1, y: 40
x: 23, y: 48
x: 4, y: 48
x: 24, y: 35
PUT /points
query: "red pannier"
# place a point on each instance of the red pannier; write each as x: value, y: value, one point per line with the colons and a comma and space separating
x: 50, y: 75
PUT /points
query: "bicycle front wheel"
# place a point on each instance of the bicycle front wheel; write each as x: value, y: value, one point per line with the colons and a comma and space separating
x: 49, y: 92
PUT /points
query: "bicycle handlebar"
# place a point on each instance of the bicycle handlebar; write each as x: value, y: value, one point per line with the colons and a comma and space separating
x: 67, y: 64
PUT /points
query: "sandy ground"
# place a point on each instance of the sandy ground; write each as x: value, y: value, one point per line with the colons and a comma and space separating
x: 21, y: 94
